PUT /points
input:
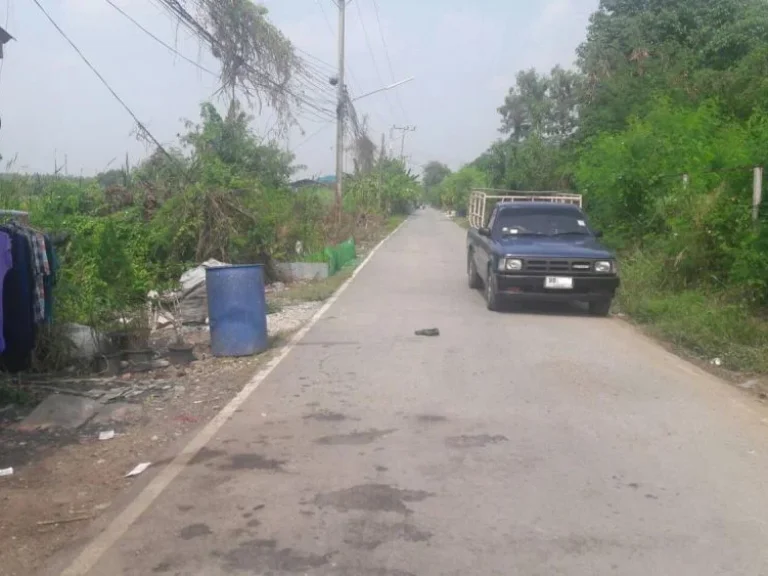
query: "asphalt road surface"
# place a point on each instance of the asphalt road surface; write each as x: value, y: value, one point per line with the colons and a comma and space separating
x: 520, y: 443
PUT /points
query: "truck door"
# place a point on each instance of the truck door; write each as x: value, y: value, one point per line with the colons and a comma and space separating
x: 483, y: 255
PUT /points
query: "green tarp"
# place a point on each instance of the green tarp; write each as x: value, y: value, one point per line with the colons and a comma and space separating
x: 340, y: 255
x: 337, y: 257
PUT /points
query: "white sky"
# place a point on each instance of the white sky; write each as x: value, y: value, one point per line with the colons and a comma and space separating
x: 464, y: 56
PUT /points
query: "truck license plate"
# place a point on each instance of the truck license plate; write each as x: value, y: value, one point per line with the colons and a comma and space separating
x: 558, y: 283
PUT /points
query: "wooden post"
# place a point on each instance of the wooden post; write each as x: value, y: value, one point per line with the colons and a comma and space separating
x: 686, y: 179
x: 757, y: 192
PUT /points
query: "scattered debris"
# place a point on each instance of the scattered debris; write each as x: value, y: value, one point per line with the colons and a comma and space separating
x: 185, y: 418
x: 106, y: 435
x: 428, y: 332
x: 6, y: 472
x: 64, y: 521
x: 122, y: 412
x: 716, y: 362
x: 749, y: 384
x: 149, y: 366
x: 193, y: 304
x: 138, y: 469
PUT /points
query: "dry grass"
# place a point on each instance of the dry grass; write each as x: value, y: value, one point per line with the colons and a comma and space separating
x: 315, y: 291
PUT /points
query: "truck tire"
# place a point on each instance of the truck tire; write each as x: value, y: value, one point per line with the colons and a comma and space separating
x: 474, y: 280
x: 492, y: 292
x: 600, y: 307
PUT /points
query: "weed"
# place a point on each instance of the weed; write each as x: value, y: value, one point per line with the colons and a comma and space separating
x: 318, y: 290
x: 462, y: 222
x: 15, y: 394
x: 273, y: 307
x: 706, y: 323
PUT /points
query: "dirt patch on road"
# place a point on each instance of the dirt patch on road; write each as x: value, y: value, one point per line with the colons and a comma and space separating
x: 478, y: 441
x: 371, y: 497
x: 354, y: 438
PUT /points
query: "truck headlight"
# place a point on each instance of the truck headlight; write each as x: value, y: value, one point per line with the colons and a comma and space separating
x: 510, y: 264
x: 604, y: 266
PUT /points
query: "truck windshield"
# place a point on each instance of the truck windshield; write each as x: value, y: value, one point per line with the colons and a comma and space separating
x: 540, y: 223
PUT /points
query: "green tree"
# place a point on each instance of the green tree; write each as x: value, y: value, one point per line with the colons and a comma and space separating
x: 434, y: 173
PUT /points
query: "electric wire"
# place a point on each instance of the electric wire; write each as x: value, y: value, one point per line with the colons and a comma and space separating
x: 106, y: 84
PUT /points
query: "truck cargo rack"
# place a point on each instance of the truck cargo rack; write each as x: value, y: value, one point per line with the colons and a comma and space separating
x: 479, y: 198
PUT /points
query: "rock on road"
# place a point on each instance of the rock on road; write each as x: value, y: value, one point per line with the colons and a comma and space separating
x: 512, y: 444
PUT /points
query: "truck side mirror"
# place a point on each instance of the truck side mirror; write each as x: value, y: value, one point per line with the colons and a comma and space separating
x: 484, y: 231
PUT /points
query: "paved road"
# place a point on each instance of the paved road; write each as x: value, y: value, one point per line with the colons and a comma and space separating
x: 513, y: 444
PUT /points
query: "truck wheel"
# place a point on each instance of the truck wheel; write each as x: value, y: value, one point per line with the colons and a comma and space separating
x: 600, y: 307
x: 474, y: 279
x: 492, y: 292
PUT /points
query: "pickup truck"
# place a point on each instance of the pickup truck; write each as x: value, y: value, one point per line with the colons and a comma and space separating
x: 538, y: 247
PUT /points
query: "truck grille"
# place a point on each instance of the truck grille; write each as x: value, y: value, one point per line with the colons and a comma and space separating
x: 558, y: 266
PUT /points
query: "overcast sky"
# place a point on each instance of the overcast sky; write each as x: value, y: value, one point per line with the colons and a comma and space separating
x: 463, y: 55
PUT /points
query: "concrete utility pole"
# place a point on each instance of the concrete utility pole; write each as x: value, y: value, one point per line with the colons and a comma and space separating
x: 340, y: 107
x: 404, y: 130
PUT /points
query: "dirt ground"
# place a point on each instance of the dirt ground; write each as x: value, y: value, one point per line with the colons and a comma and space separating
x: 63, y: 480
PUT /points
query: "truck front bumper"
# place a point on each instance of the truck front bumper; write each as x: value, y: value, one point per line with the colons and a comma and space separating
x: 585, y: 288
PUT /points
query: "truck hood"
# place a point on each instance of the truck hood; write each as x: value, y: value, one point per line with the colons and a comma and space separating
x: 558, y: 247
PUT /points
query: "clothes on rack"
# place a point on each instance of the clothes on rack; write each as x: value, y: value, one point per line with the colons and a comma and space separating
x: 6, y: 263
x: 27, y: 292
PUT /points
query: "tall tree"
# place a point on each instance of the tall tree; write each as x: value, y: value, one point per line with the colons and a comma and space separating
x: 434, y: 173
x: 541, y: 105
x: 636, y: 49
x: 526, y: 107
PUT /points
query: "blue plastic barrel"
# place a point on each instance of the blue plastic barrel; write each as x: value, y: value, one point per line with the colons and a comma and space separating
x: 237, y: 310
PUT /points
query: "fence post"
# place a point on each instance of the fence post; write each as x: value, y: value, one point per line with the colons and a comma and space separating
x: 685, y: 180
x: 757, y: 191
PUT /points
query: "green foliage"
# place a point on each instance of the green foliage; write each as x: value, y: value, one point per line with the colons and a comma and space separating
x: 432, y: 176
x: 223, y: 193
x: 541, y: 105
x: 455, y: 189
x: 664, y: 88
x: 389, y: 188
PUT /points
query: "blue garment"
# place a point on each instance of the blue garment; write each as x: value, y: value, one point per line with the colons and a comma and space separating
x: 18, y: 314
x: 6, y: 263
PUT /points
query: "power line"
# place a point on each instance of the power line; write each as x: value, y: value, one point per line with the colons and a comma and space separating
x: 139, y: 123
x: 389, y: 59
x: 311, y: 136
x: 263, y: 80
x: 159, y: 40
x: 333, y: 34
x: 314, y: 83
x: 325, y: 16
x: 373, y: 57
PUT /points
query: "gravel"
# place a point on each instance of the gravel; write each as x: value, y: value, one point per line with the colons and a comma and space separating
x: 291, y: 317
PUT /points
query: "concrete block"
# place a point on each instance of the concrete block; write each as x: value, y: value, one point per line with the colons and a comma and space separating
x: 60, y: 411
x: 297, y: 271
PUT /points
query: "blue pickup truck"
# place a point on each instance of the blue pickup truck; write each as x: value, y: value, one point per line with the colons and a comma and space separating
x: 533, y: 250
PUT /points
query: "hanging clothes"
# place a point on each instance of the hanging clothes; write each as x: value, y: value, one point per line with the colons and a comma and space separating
x: 40, y: 268
x: 19, y: 330
x: 6, y: 263
x: 50, y: 279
